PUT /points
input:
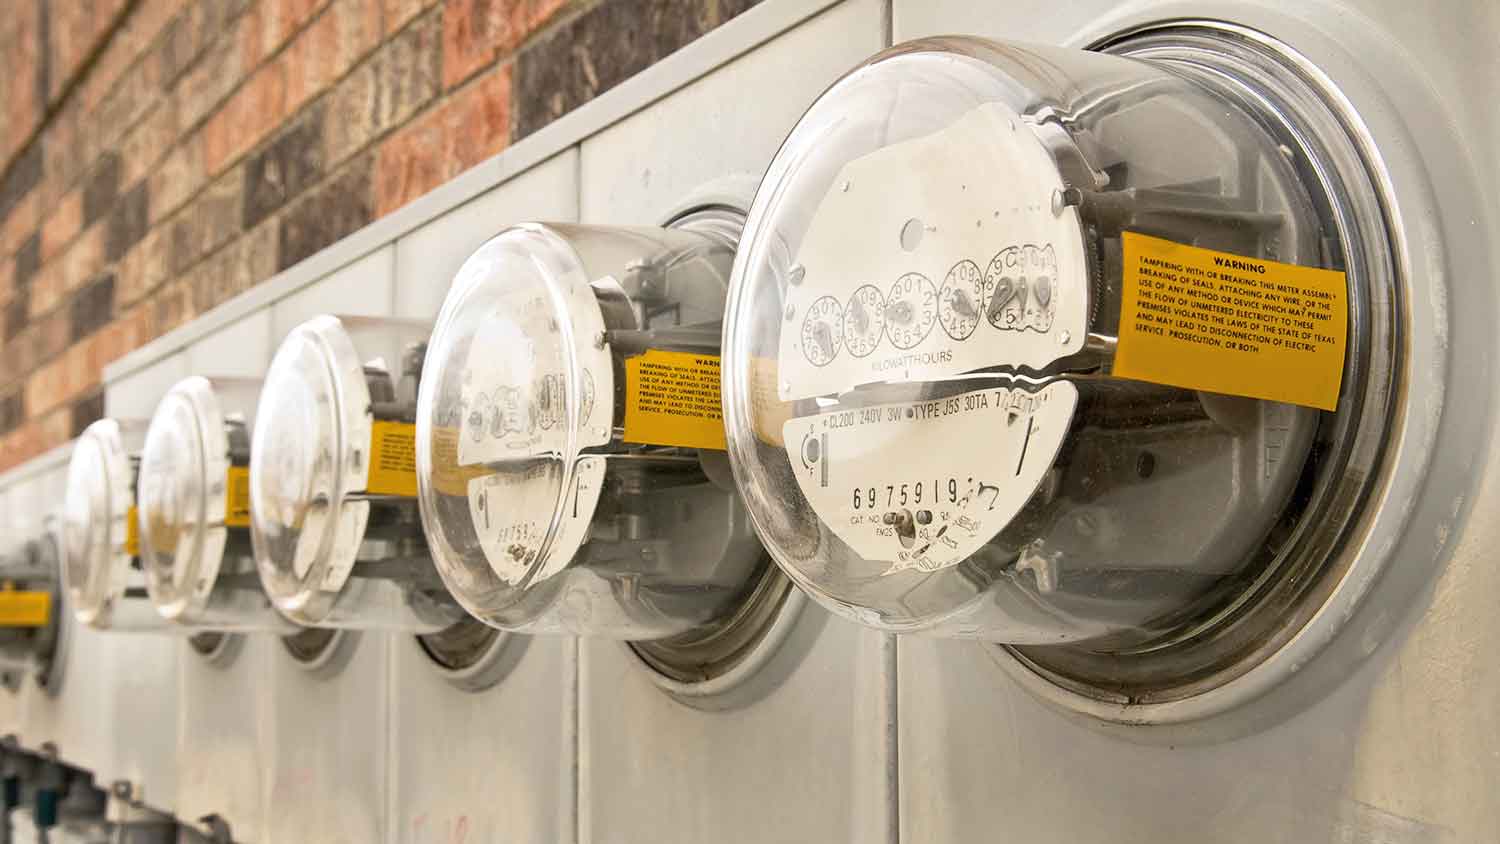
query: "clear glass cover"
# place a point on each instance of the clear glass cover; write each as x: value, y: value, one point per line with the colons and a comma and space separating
x: 545, y: 511
x: 101, y: 563
x: 195, y: 532
x: 918, y: 379
x: 331, y: 552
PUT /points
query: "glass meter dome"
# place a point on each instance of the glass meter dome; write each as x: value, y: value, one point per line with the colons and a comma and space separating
x: 1007, y: 348
x: 333, y: 512
x: 102, y: 565
x: 194, y: 490
x: 570, y: 446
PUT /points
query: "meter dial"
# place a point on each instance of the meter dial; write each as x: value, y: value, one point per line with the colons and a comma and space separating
x: 822, y: 331
x: 864, y: 320
x: 910, y: 310
x: 961, y: 299
x: 1020, y: 281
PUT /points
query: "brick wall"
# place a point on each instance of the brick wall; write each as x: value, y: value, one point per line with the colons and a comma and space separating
x: 158, y: 157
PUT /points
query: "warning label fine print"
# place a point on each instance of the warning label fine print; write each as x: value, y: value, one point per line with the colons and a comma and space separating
x: 1207, y: 320
x: 672, y: 398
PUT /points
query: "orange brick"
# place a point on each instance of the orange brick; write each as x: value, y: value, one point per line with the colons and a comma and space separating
x: 21, y: 445
x: 471, y: 126
x: 114, y: 341
x: 145, y: 22
x: 74, y: 30
x: 62, y: 224
x: 169, y: 307
x: 55, y: 429
x: 46, y: 386
x: 254, y: 111
x: 18, y: 90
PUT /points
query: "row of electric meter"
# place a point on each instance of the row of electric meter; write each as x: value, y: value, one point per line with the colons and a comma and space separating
x: 1075, y: 352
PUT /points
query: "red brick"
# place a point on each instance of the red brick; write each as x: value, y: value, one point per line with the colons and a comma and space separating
x: 46, y: 387
x: 64, y: 151
x: 477, y: 32
x: 22, y: 50
x: 124, y: 48
x: 169, y: 307
x: 471, y: 126
x: 73, y: 31
x: 62, y: 224
x: 270, y: 23
x: 326, y: 50
x: 207, y: 84
x: 254, y: 111
x: 396, y: 14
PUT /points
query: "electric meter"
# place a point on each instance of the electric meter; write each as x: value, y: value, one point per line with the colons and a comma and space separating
x: 1061, y: 350
x: 333, y: 511
x: 570, y: 442
x: 29, y: 606
x: 102, y: 565
x: 194, y: 490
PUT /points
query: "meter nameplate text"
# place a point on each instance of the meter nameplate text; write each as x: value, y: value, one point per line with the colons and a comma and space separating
x: 923, y: 485
x: 21, y: 608
x: 237, y: 497
x: 673, y: 399
x: 393, y: 458
x: 933, y: 257
x: 512, y: 511
x: 1206, y: 320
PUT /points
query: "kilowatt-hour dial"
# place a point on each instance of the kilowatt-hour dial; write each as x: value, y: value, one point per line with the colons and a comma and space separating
x: 960, y: 300
x: 822, y: 330
x: 910, y: 310
x: 864, y: 320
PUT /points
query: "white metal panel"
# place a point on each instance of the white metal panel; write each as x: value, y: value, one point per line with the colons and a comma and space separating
x: 730, y: 122
x: 143, y: 718
x: 241, y: 349
x: 1407, y: 749
x: 428, y: 257
x: 650, y: 767
x: 364, y: 287
x: 221, y: 735
x: 489, y: 765
x: 135, y: 396
x: 327, y: 739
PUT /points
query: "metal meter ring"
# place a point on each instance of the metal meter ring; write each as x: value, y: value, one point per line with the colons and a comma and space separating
x: 1159, y: 350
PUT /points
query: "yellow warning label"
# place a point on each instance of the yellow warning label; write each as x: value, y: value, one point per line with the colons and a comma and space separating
x: 393, y: 458
x: 24, y: 608
x: 449, y: 478
x: 237, y: 497
x: 132, y: 533
x: 1207, y: 320
x: 672, y: 398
